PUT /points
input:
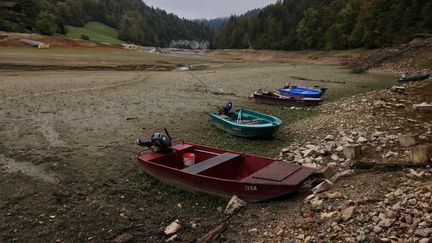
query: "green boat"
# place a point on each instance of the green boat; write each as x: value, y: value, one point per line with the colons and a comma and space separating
x: 246, y: 123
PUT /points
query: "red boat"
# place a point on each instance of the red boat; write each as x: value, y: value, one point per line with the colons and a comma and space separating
x: 273, y: 98
x: 224, y: 173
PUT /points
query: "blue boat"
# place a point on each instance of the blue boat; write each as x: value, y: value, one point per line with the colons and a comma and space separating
x: 301, y: 91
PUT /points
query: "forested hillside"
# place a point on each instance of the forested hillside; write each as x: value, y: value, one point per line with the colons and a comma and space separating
x: 136, y: 22
x: 328, y: 24
x: 213, y: 24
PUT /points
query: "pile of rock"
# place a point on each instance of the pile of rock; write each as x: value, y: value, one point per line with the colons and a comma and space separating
x: 381, y: 133
x: 342, y: 149
x: 402, y: 215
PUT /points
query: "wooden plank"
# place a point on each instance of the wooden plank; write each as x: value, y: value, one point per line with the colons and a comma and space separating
x: 209, y: 163
x: 276, y: 171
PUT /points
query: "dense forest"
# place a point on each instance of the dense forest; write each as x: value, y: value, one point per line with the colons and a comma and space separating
x: 136, y: 22
x: 328, y: 24
x: 213, y: 24
x: 286, y: 25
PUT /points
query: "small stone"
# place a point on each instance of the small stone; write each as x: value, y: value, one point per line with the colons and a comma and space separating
x: 377, y: 134
x: 424, y: 205
x: 397, y: 89
x: 308, y: 198
x: 424, y: 240
x: 333, y: 195
x: 386, y: 222
x: 319, y: 159
x: 423, y: 107
x: 334, y: 157
x: 329, y: 172
x: 323, y: 186
x: 347, y: 139
x: 425, y: 232
x: 300, y: 236
x: 414, y: 173
x: 329, y: 138
x: 341, y: 174
x: 362, y: 140
x: 172, y: 238
x: 123, y: 238
x: 347, y: 213
x: 253, y: 230
x: 234, y: 205
x: 337, y: 228
x: 377, y: 230
x: 398, y: 192
x: 173, y: 228
x: 408, y: 140
x: 390, y: 154
x: 329, y: 215
x: 286, y: 150
x: 308, y: 160
x: 308, y: 152
x: 316, y: 202
x: 280, y: 232
x: 379, y: 103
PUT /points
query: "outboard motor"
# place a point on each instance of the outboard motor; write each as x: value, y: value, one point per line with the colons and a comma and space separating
x: 322, y: 89
x: 161, y: 141
x: 224, y: 110
x: 227, y: 107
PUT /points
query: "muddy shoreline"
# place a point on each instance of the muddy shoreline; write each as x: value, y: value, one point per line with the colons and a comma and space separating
x: 79, y: 126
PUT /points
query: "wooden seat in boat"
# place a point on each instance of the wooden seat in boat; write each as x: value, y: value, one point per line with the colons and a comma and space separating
x: 210, y: 163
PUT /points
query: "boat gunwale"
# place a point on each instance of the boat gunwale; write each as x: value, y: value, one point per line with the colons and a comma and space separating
x: 276, y: 123
x: 212, y: 177
x: 282, y: 97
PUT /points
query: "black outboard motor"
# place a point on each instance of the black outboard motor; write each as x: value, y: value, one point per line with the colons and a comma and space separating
x: 224, y: 110
x: 161, y: 141
x: 323, y: 90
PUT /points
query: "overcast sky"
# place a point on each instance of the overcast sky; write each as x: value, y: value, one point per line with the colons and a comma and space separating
x: 209, y: 9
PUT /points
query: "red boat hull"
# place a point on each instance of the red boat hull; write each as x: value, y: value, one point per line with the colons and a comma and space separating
x: 246, y: 187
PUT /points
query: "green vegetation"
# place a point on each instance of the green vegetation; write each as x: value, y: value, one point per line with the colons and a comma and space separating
x: 331, y: 24
x: 46, y: 23
x: 135, y: 21
x: 95, y: 31
x: 198, y: 202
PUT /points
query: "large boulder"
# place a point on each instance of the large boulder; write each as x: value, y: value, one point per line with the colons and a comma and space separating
x: 352, y: 151
x: 421, y: 153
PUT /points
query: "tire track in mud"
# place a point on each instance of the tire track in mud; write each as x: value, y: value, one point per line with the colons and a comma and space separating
x: 134, y: 80
x: 126, y: 67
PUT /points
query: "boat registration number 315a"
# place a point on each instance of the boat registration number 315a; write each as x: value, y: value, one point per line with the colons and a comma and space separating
x: 251, y: 188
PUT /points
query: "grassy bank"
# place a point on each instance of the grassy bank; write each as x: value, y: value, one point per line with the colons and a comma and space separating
x: 95, y: 31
